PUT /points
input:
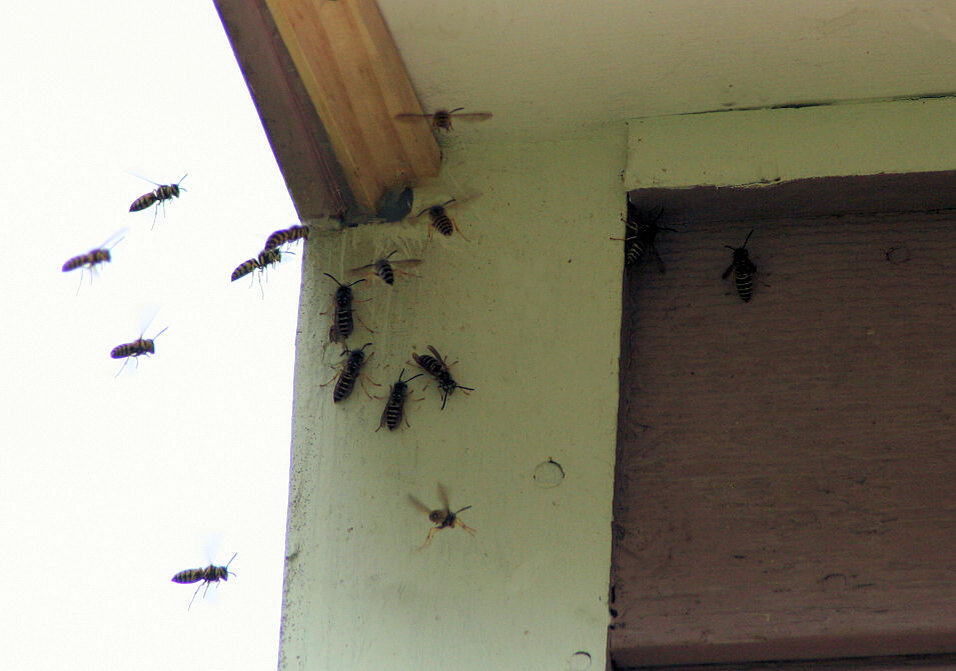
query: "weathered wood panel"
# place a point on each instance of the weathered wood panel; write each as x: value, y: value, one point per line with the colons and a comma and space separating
x: 785, y: 478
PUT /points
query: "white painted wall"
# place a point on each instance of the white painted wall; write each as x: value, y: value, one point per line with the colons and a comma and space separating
x: 761, y: 146
x: 531, y: 308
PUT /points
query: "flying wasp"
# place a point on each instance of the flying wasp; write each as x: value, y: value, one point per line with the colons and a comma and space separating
x: 264, y: 259
x: 386, y: 269
x: 287, y: 235
x: 353, y: 366
x: 441, y: 120
x: 207, y: 575
x: 162, y: 193
x: 437, y: 368
x: 92, y: 258
x: 343, y: 323
x: 395, y: 405
x: 137, y: 348
x: 442, y: 519
x: 744, y: 270
x: 640, y: 232
x: 440, y: 221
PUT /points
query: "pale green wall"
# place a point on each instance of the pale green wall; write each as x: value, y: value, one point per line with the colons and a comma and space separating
x: 726, y: 148
x: 531, y: 307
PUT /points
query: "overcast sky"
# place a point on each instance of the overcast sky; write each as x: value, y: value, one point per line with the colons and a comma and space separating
x: 110, y: 485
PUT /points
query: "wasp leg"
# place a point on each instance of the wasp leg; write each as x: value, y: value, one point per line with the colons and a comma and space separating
x: 455, y: 224
x: 459, y: 523
x: 362, y: 382
x: 428, y: 540
x: 194, y: 596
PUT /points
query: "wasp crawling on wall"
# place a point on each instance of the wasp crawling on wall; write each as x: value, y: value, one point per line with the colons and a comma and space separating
x: 743, y: 269
x: 343, y: 322
x: 207, y: 575
x: 353, y: 366
x: 437, y: 368
x: 286, y: 236
x: 440, y: 220
x: 386, y: 269
x: 441, y: 120
x: 443, y: 518
x: 162, y: 193
x: 395, y: 405
x: 134, y: 349
x: 93, y: 258
x: 640, y: 231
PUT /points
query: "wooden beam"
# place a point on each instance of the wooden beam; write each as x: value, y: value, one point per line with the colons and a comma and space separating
x: 355, y: 80
x: 301, y: 146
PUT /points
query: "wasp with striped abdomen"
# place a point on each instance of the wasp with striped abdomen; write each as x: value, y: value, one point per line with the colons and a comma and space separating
x: 93, y: 258
x: 437, y: 368
x: 441, y: 120
x: 440, y: 220
x: 353, y: 367
x: 743, y: 269
x: 207, y: 575
x: 640, y: 232
x: 134, y: 349
x: 158, y: 196
x: 343, y: 322
x: 386, y: 269
x: 286, y: 236
x: 443, y: 518
x: 395, y: 405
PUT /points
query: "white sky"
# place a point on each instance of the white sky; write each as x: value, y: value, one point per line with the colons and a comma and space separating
x: 109, y: 486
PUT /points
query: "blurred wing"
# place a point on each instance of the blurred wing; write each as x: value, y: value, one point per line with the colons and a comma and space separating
x: 418, y: 504
x: 443, y: 495
x: 358, y: 271
x: 411, y: 117
x: 404, y: 263
x: 472, y: 116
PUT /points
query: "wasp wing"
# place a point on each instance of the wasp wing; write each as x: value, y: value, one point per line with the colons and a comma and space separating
x: 418, y: 504
x: 473, y: 116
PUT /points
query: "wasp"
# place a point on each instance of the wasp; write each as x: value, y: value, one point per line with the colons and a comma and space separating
x: 88, y: 260
x: 440, y: 220
x: 437, y: 368
x: 287, y: 235
x: 441, y: 120
x: 386, y: 269
x: 442, y: 519
x: 744, y: 270
x: 265, y: 258
x: 92, y: 258
x: 640, y: 232
x: 207, y: 575
x: 343, y: 323
x: 348, y: 376
x: 395, y: 406
x: 162, y: 193
x: 137, y: 348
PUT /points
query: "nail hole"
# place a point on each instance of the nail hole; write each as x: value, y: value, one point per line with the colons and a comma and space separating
x: 548, y: 474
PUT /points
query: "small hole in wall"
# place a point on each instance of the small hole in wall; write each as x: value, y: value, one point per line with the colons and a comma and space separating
x: 579, y: 661
x: 548, y: 474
